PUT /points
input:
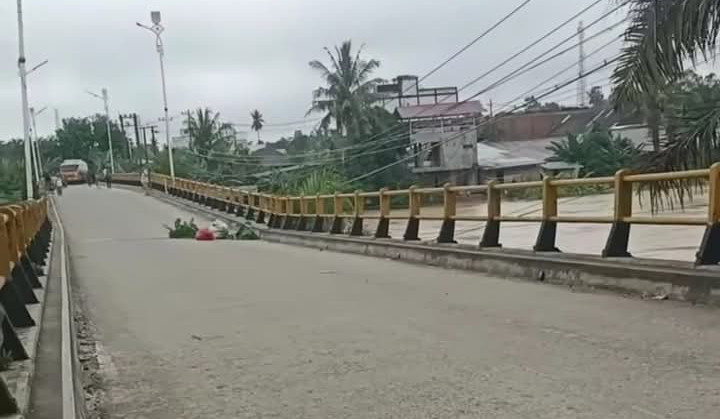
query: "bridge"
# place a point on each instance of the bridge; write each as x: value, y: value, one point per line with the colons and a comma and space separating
x: 310, y: 322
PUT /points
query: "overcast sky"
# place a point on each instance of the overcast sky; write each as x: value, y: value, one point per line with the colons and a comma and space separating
x: 237, y: 55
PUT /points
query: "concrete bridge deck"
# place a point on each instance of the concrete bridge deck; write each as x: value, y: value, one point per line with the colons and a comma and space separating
x: 254, y: 329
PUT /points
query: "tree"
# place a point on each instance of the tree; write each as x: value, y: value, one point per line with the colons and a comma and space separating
x: 663, y: 35
x: 206, y: 132
x: 597, y: 151
x: 257, y: 122
x: 12, y: 171
x: 348, y: 90
x: 596, y: 97
x: 86, y: 139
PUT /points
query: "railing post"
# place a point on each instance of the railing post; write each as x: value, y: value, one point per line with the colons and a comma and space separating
x: 289, y: 213
x: 240, y: 203
x: 302, y: 220
x: 491, y: 234
x: 250, y: 214
x: 617, y: 241
x: 383, y: 226
x: 271, y: 210
x: 548, y: 228
x: 279, y: 212
x: 261, y: 202
x: 412, y: 229
x: 709, y: 252
x: 447, y: 230
x: 337, y: 223
x: 319, y: 212
x: 357, y: 225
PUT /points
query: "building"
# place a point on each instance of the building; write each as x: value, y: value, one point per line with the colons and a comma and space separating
x: 444, y: 138
x: 515, y: 147
x: 406, y: 91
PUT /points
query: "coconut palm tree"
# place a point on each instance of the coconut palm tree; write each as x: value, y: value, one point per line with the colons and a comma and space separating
x: 206, y: 131
x: 348, y: 90
x: 257, y: 122
x: 663, y: 39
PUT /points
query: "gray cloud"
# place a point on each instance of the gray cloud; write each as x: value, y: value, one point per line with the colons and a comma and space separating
x: 235, y: 56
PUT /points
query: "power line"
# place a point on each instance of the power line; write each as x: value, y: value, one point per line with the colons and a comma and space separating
x: 563, y: 71
x: 374, y: 138
x: 474, y: 41
x: 373, y: 172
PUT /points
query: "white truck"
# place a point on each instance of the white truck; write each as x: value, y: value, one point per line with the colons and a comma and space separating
x: 74, y: 171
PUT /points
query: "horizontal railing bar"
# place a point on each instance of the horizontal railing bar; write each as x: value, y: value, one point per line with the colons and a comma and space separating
x: 516, y: 218
x: 609, y: 180
x: 582, y: 219
x: 369, y: 194
x: 469, y: 218
x: 657, y: 177
x: 396, y: 192
x: 469, y: 188
x: 687, y: 221
x: 519, y: 185
x: 429, y: 191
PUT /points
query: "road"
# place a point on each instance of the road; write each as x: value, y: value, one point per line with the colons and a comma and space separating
x: 259, y: 330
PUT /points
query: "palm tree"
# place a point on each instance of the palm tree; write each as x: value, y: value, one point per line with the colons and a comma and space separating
x: 257, y: 122
x: 664, y: 38
x: 348, y: 90
x: 206, y: 131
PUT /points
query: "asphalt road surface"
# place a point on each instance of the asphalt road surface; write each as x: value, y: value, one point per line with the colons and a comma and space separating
x: 259, y: 330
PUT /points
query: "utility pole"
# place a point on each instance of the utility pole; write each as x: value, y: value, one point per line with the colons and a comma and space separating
x: 153, y: 141
x: 137, y: 135
x: 35, y: 144
x: 25, y: 111
x: 109, y: 132
x: 104, y: 97
x: 582, y: 82
x: 152, y: 129
x: 128, y: 143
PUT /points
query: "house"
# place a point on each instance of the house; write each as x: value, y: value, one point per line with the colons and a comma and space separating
x: 444, y: 138
x: 515, y: 147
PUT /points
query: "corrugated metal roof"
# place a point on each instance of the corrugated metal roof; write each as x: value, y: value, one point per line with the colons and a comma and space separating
x: 473, y: 107
x: 514, y: 153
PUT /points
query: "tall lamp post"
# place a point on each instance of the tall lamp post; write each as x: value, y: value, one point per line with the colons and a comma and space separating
x: 25, y: 110
x: 35, y: 144
x: 104, y: 98
x: 158, y: 29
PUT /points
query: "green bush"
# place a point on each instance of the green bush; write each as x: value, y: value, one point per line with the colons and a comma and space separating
x: 245, y: 232
x: 182, y: 229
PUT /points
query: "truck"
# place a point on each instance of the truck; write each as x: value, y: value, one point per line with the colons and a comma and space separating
x: 74, y: 171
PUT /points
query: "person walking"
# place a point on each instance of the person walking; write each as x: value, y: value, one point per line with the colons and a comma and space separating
x: 108, y: 178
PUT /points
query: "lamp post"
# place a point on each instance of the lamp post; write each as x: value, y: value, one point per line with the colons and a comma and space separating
x: 157, y: 29
x: 25, y: 111
x: 35, y: 144
x: 104, y: 98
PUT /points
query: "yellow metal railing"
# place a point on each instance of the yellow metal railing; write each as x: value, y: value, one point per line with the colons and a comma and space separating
x: 19, y: 224
x: 310, y: 213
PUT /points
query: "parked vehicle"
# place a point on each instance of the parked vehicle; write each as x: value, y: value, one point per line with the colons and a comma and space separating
x: 74, y: 171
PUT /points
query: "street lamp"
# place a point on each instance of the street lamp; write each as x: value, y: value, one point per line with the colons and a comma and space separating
x: 35, y: 141
x: 104, y: 98
x: 158, y: 29
x: 24, y: 96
